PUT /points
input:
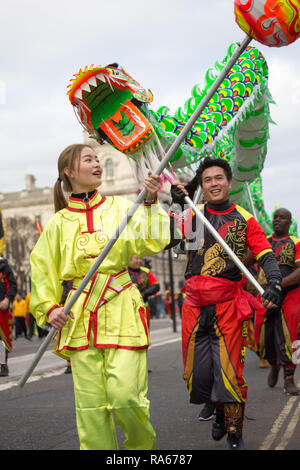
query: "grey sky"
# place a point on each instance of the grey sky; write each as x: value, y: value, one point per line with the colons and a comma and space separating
x: 166, y: 45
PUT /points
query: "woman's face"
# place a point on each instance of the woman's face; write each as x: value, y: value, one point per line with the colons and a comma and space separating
x: 88, y: 174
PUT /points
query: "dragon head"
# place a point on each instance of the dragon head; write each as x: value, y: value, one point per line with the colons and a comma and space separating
x: 108, y: 101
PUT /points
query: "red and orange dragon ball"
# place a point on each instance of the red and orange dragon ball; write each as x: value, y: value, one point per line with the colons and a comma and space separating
x: 274, y: 23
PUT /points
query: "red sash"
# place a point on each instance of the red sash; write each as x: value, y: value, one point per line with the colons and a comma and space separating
x: 206, y: 290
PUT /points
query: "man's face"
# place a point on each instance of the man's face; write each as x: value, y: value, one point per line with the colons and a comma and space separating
x: 215, y: 185
x: 135, y: 262
x: 281, y: 222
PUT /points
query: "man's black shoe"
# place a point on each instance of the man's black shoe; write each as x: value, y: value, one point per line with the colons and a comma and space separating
x: 68, y: 370
x: 273, y: 376
x: 206, y: 413
x: 218, y: 428
x: 218, y: 431
x: 4, y: 370
x: 235, y: 442
x: 290, y: 386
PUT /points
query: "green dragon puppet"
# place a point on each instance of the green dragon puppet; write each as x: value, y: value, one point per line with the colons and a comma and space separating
x: 113, y: 107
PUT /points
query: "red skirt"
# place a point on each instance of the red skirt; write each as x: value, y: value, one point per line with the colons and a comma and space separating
x: 280, y: 323
x: 6, y: 324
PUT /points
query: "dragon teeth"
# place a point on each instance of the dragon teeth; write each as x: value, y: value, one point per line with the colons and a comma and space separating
x: 100, y: 76
x: 78, y: 94
x: 92, y: 81
x: 85, y: 87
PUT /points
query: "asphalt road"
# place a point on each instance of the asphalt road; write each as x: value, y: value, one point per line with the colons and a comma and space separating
x: 41, y: 415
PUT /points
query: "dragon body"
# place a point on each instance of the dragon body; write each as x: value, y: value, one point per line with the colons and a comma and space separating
x: 114, y: 107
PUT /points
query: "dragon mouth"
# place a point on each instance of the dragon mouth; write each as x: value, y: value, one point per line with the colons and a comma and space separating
x: 104, y: 103
x: 126, y: 125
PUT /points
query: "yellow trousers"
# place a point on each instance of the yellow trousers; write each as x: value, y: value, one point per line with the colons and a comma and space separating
x: 111, y: 382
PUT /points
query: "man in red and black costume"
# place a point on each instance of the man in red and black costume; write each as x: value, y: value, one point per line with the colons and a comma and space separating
x: 8, y: 291
x: 145, y: 280
x: 216, y: 308
x: 277, y: 331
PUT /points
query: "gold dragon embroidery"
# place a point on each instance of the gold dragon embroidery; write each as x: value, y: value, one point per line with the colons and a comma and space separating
x: 215, y: 257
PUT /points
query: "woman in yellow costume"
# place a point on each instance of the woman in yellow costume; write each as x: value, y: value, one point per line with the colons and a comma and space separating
x: 106, y: 335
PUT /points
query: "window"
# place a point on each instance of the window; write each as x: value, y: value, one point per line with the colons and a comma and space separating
x: 109, y: 169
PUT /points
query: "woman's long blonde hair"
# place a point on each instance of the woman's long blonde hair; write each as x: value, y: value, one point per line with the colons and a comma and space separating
x: 69, y: 158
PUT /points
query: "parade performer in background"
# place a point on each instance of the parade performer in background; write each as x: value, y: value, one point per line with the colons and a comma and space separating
x: 19, y: 311
x: 106, y: 335
x: 33, y: 328
x: 8, y: 291
x: 145, y: 280
x: 180, y: 297
x: 216, y: 308
x: 168, y: 301
x: 277, y: 330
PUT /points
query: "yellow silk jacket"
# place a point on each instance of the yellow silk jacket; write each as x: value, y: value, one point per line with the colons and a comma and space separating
x: 110, y: 305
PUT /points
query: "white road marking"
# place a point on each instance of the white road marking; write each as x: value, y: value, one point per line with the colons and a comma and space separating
x: 290, y: 429
x: 168, y: 341
x: 59, y: 368
x: 274, y: 432
x: 33, y: 378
